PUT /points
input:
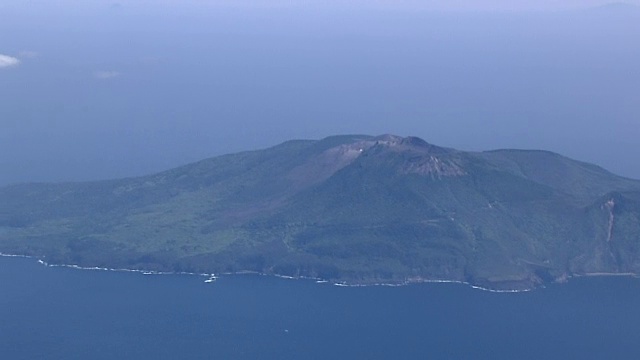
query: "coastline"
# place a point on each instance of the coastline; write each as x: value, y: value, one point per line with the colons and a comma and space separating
x: 595, y: 274
x: 212, y: 277
x: 73, y: 266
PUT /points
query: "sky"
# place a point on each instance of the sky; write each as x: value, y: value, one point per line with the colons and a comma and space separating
x: 103, y: 89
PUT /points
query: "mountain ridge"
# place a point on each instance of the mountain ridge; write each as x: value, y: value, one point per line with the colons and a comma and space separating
x: 354, y: 208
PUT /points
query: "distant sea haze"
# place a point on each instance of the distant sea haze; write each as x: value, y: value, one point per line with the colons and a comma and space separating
x: 104, y: 92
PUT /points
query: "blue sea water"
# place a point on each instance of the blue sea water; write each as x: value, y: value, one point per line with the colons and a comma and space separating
x: 64, y: 313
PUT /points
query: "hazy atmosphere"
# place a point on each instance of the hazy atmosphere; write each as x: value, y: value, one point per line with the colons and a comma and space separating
x: 105, y: 90
x: 154, y: 203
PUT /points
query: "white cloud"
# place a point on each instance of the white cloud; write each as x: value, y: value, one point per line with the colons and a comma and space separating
x: 8, y: 61
x: 104, y: 75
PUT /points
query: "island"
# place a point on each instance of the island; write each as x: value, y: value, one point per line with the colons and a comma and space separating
x: 354, y: 210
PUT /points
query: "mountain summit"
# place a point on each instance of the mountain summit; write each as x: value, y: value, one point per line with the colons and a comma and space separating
x: 355, y: 209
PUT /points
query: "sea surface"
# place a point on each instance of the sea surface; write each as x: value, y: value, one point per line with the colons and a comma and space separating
x: 65, y: 313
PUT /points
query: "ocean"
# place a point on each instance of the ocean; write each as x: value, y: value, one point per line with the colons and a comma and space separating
x: 65, y: 313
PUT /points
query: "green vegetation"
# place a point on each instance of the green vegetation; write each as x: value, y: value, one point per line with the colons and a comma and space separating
x: 357, y: 209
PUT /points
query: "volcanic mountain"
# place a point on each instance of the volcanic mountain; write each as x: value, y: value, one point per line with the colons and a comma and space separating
x: 353, y: 209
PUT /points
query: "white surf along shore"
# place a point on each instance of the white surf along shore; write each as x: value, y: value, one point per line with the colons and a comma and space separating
x: 210, y: 277
x: 213, y: 277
